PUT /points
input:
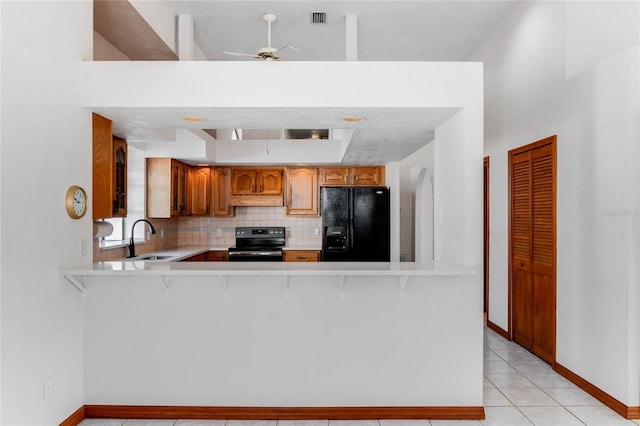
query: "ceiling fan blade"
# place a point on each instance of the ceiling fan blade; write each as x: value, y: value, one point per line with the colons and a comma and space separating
x: 288, y: 46
x: 241, y: 54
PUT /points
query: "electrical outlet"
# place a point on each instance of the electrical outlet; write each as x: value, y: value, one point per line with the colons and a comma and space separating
x: 48, y: 387
x: 219, y: 232
x: 162, y: 233
x: 316, y: 231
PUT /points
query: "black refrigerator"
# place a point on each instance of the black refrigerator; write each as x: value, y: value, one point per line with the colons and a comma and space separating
x: 355, y: 223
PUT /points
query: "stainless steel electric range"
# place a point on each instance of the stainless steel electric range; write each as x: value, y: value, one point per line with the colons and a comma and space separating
x: 258, y: 244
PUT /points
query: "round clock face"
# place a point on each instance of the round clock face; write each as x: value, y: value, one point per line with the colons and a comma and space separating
x: 76, y: 201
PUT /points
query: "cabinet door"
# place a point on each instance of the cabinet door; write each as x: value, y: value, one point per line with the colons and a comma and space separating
x: 119, y: 178
x: 175, y: 188
x: 270, y: 182
x: 334, y: 176
x: 301, y: 255
x: 302, y: 191
x: 243, y: 181
x: 109, y: 167
x: 366, y: 176
x: 202, y: 257
x: 183, y: 192
x: 200, y: 189
x: 217, y: 256
x: 160, y: 200
x: 221, y: 185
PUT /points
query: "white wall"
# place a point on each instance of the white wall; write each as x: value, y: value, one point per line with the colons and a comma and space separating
x: 161, y: 18
x: 449, y: 206
x: 46, y: 147
x: 194, y: 345
x: 545, y: 76
x: 409, y: 170
x: 392, y: 180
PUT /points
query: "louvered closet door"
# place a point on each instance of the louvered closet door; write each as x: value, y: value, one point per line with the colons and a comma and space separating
x: 533, y: 248
x: 543, y: 253
x: 521, y: 249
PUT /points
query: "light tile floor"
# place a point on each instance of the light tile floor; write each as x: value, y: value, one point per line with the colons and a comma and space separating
x: 519, y: 389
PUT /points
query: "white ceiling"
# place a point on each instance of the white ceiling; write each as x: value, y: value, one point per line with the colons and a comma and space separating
x: 386, y: 31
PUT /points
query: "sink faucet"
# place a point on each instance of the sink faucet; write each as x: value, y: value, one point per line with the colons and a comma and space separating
x: 132, y: 246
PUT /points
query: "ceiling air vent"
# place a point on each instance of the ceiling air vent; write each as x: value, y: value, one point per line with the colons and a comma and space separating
x: 318, y: 18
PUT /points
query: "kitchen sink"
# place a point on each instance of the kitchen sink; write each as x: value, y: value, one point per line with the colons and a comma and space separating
x: 153, y: 257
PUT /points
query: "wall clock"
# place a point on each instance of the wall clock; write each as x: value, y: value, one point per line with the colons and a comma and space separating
x: 76, y: 202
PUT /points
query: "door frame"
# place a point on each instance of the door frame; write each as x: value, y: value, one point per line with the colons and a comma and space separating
x: 486, y: 208
x: 551, y: 140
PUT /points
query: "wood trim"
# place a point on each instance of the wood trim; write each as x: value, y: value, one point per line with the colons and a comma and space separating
x: 282, y: 413
x: 499, y: 330
x: 597, y: 393
x: 75, y: 418
x: 633, y: 413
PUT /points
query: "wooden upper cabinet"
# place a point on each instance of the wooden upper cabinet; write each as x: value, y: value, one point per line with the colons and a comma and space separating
x: 270, y: 182
x: 120, y: 177
x: 244, y: 181
x: 180, y: 196
x: 331, y: 176
x: 167, y: 188
x: 160, y: 187
x: 221, y: 186
x: 200, y: 189
x: 302, y: 191
x: 352, y: 176
x: 109, y: 171
x: 256, y: 187
x: 367, y: 176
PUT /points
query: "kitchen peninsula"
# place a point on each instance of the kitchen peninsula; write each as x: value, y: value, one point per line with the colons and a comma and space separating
x: 281, y: 340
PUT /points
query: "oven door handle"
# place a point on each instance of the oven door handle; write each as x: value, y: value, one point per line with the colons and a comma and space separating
x: 254, y: 253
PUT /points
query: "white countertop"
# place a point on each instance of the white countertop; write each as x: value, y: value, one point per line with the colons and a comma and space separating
x: 164, y: 268
x: 314, y: 248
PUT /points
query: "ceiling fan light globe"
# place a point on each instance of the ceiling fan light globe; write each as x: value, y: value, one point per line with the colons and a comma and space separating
x: 268, y: 50
x: 269, y: 17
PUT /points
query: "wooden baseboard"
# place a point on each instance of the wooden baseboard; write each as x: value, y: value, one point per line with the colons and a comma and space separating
x: 633, y: 413
x: 282, y: 413
x: 597, y: 393
x: 498, y: 330
x: 75, y: 418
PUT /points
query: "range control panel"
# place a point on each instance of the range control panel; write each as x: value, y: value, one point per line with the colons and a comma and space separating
x: 262, y: 232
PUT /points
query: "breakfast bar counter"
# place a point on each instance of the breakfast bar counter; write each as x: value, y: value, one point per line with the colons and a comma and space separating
x: 265, y: 340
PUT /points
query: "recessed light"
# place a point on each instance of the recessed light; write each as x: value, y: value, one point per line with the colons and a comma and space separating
x: 193, y: 118
x: 353, y: 119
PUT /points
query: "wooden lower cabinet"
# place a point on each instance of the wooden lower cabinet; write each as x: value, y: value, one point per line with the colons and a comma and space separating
x: 217, y: 256
x: 301, y: 255
x: 209, y: 256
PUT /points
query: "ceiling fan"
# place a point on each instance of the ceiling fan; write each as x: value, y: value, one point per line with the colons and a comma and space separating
x: 266, y: 53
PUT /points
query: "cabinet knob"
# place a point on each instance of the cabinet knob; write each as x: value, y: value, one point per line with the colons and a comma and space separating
x: 521, y: 264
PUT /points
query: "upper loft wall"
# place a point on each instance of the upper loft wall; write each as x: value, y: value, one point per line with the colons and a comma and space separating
x: 120, y: 23
x: 105, y: 51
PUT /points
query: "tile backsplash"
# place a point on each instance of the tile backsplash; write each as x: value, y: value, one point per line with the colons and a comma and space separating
x: 220, y: 231
x: 203, y: 231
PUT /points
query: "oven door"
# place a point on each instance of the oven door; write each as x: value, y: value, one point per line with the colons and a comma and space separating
x: 255, y: 254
